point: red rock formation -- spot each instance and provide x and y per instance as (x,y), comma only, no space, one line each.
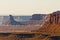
(55,17)
(53,23)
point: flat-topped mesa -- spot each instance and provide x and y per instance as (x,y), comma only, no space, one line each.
(55,17)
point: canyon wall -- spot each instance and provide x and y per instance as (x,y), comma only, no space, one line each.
(54,17)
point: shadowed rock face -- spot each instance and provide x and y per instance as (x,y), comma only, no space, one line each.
(25,35)
(4,34)
(55,38)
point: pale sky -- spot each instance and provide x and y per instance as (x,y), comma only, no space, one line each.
(28,7)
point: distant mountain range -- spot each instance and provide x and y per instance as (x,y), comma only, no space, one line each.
(27,18)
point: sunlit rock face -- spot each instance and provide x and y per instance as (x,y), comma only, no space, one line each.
(53,23)
(55,17)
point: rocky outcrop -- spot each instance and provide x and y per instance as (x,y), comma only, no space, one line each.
(53,24)
(55,17)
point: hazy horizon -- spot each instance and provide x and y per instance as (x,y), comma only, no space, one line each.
(28,7)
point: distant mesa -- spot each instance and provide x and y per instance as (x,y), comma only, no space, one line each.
(31,21)
(37,16)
